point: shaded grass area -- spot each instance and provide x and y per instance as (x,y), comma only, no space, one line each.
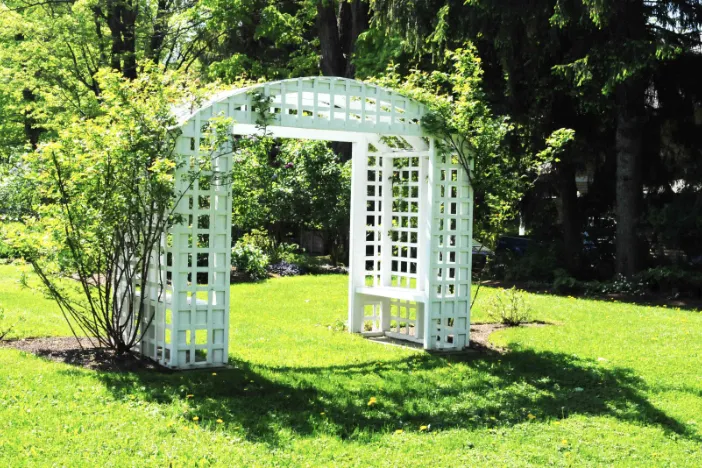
(611,384)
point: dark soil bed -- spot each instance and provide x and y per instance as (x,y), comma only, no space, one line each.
(84,353)
(81,353)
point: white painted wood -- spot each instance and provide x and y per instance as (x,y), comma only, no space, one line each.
(393,293)
(301,133)
(357,234)
(411,221)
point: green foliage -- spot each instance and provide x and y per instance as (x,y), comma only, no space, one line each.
(375,51)
(260,239)
(465,126)
(670,279)
(676,222)
(316,186)
(258,39)
(537,263)
(8,232)
(556,143)
(104,195)
(563,283)
(666,280)
(274,250)
(247,257)
(509,307)
(293,183)
(288,252)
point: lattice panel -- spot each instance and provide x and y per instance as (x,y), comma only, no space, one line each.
(328,103)
(191,320)
(404,233)
(158,306)
(374,220)
(449,294)
(405,318)
(372,316)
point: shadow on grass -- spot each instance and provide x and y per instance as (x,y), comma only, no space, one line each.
(260,403)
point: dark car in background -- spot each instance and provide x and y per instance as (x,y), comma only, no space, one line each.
(481,254)
(517,245)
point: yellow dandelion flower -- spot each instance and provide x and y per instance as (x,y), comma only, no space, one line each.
(219,421)
(531,416)
(564,442)
(214,373)
(399,431)
(195,418)
(372,401)
(423,428)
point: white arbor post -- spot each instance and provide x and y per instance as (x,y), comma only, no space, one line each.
(449,266)
(190,328)
(358,233)
(416,252)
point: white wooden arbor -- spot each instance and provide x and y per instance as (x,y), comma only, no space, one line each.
(411,221)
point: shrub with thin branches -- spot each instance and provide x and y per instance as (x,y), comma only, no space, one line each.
(508,306)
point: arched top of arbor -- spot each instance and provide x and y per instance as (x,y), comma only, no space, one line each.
(325,104)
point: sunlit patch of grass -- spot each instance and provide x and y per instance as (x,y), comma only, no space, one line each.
(610,384)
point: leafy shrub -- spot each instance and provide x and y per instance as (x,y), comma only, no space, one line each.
(288,253)
(669,279)
(250,259)
(260,239)
(8,250)
(564,283)
(276,251)
(508,306)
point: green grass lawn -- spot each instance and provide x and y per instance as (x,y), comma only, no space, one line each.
(612,384)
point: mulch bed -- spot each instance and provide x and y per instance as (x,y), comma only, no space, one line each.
(82,353)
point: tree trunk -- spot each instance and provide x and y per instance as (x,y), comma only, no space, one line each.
(337,41)
(629,134)
(121,20)
(32,132)
(568,193)
(159,33)
(332,62)
(338,33)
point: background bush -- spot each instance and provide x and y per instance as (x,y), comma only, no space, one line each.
(250,259)
(8,249)
(508,306)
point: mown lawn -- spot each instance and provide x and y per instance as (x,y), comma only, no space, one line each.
(611,384)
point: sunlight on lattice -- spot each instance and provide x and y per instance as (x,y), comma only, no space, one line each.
(411,225)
